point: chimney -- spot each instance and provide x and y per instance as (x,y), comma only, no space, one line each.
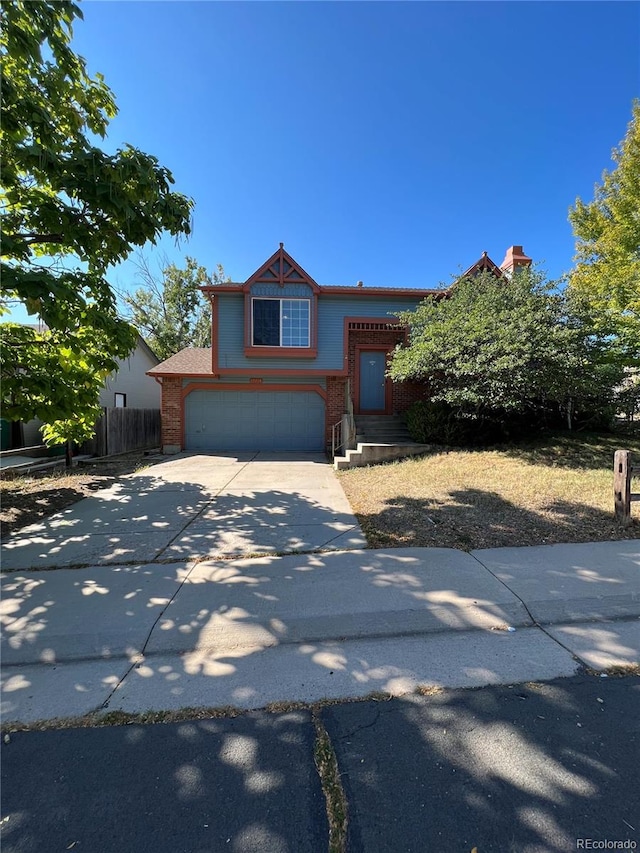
(360,284)
(514,258)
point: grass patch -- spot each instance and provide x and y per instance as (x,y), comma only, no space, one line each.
(428,690)
(100,719)
(558,488)
(622,670)
(336,801)
(96,719)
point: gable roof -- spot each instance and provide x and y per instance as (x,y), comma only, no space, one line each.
(147,349)
(483,264)
(141,344)
(281,269)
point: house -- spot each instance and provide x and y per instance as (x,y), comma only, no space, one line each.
(288,358)
(128,386)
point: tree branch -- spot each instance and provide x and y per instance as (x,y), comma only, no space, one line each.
(43,238)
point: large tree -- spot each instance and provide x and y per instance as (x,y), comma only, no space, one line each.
(502,347)
(607,230)
(170,310)
(70,211)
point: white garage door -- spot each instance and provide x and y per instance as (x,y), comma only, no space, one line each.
(254,420)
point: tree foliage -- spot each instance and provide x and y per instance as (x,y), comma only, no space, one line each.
(172,312)
(607,232)
(502,348)
(70,210)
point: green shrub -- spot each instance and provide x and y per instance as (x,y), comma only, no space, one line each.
(437,422)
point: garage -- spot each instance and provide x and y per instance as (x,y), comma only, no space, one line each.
(254,420)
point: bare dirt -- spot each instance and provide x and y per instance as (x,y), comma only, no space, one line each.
(26,500)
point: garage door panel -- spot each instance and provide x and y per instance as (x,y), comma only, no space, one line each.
(258,420)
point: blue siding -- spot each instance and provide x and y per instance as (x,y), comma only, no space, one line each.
(287,292)
(331,313)
(231,330)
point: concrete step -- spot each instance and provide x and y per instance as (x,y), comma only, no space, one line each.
(383,432)
(380,419)
(382,429)
(371,453)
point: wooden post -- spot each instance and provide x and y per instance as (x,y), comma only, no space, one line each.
(622,485)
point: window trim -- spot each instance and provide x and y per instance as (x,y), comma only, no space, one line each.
(281,299)
(117,394)
(277,351)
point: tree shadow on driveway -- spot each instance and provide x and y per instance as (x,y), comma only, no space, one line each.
(189,512)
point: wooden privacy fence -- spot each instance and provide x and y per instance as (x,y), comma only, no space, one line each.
(124,430)
(623,472)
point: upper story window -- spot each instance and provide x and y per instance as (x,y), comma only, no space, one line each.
(280,311)
(280,322)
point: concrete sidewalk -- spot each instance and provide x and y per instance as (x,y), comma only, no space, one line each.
(248,632)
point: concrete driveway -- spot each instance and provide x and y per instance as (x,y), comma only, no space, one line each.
(193,506)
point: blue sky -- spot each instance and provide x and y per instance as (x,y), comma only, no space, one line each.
(387,142)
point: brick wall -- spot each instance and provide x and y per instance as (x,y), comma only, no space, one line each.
(335,403)
(172,411)
(406,393)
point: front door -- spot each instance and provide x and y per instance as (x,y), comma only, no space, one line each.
(372,380)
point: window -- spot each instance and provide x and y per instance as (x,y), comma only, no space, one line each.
(120,401)
(281,322)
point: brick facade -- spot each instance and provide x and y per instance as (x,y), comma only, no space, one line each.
(335,406)
(406,393)
(403,393)
(172,411)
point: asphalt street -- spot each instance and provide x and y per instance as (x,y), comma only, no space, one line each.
(236,784)
(530,768)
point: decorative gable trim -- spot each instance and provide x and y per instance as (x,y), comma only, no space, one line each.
(484,264)
(281,269)
(281,278)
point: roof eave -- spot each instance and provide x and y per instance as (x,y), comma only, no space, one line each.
(186,374)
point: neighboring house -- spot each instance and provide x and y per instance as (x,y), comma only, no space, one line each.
(129,386)
(286,355)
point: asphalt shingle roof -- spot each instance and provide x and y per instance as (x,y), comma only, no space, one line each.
(193,360)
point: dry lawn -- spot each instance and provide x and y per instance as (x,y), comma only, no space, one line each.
(556,489)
